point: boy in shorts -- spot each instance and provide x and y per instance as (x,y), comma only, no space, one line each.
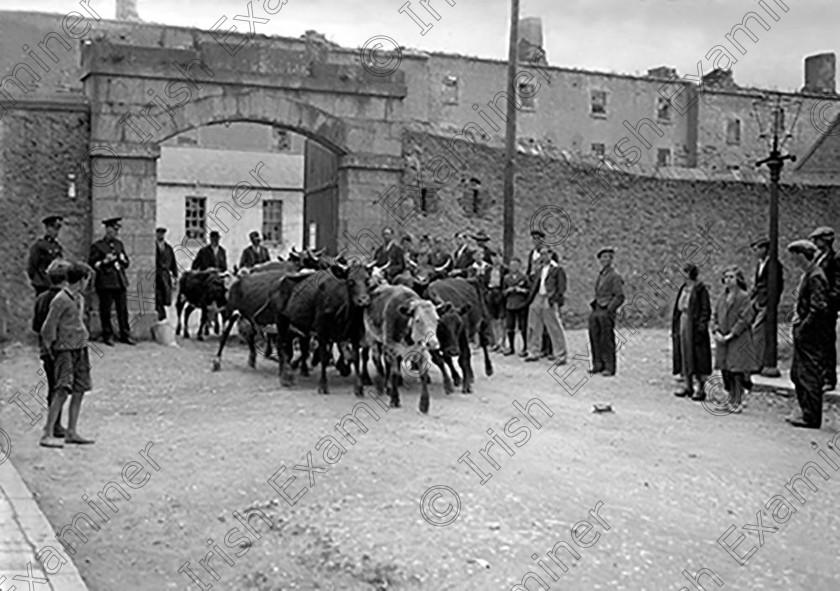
(65,340)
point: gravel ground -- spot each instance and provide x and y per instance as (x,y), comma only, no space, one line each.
(672,478)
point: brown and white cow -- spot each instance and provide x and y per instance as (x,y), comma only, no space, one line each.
(403,326)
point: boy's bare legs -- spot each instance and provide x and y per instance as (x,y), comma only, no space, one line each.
(72,435)
(47,439)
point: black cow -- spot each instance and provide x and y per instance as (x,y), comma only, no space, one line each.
(205,290)
(467,297)
(328,304)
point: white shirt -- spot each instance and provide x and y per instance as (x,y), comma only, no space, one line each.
(761,264)
(543,275)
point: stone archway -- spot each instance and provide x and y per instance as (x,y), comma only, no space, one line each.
(141,96)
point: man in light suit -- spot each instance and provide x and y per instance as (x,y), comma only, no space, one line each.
(547,298)
(609,295)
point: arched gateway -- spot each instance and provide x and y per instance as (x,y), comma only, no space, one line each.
(140,96)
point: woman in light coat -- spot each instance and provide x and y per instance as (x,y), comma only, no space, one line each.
(734,351)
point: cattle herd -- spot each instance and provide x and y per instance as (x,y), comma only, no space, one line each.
(313,303)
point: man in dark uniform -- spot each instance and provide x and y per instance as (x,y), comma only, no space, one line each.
(389,257)
(760,296)
(108,258)
(823,237)
(211,256)
(462,258)
(609,295)
(811,314)
(166,271)
(255,253)
(43,252)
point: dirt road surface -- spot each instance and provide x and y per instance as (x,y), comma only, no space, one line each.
(671,477)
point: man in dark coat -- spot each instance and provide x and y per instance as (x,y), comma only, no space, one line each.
(609,295)
(43,252)
(823,237)
(166,271)
(212,256)
(255,253)
(692,349)
(389,257)
(811,314)
(440,259)
(462,258)
(537,237)
(760,296)
(108,258)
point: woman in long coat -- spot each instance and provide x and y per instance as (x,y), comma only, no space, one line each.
(692,351)
(734,351)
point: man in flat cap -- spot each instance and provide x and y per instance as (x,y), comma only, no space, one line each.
(43,252)
(212,256)
(609,295)
(255,253)
(823,237)
(760,296)
(811,313)
(482,244)
(108,258)
(166,271)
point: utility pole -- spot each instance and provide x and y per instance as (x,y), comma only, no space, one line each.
(774,162)
(510,133)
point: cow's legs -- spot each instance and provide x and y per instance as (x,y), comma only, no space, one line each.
(439,359)
(217,362)
(392,369)
(365,355)
(179,308)
(484,340)
(304,357)
(456,377)
(424,391)
(286,377)
(252,345)
(358,382)
(202,325)
(323,388)
(187,313)
(465,362)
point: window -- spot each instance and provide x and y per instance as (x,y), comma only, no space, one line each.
(663,157)
(272,226)
(195,212)
(526,93)
(450,90)
(281,140)
(733,132)
(185,140)
(598,103)
(427,200)
(598,150)
(663,109)
(472,200)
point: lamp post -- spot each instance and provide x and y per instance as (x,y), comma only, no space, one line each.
(510,133)
(775,162)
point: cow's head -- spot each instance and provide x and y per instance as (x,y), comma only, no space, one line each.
(451,326)
(217,288)
(423,321)
(357,279)
(423,275)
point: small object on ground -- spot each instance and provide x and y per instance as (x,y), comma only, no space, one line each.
(494,526)
(479,562)
(602,408)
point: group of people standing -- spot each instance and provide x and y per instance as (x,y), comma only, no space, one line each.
(738,327)
(528,300)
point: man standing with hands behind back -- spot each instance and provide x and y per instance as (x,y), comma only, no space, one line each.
(108,258)
(609,295)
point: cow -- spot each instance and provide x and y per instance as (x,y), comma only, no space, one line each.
(250,298)
(467,297)
(327,303)
(205,290)
(403,327)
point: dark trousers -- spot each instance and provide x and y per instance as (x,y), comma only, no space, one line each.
(735,383)
(49,368)
(807,371)
(118,298)
(602,339)
(517,319)
(40,290)
(831,350)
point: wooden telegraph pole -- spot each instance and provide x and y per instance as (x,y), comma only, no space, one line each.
(510,133)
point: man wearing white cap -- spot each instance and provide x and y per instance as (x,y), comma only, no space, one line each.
(811,313)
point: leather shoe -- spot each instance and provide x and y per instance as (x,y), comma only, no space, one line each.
(608,374)
(594,371)
(796,422)
(532,358)
(109,341)
(699,397)
(128,341)
(59,432)
(683,393)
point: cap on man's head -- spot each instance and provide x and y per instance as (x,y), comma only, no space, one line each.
(215,234)
(802,246)
(160,230)
(822,232)
(605,249)
(481,236)
(112,222)
(254,234)
(760,241)
(537,234)
(52,219)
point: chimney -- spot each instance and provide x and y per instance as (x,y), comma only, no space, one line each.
(531,40)
(819,74)
(127,10)
(719,79)
(662,72)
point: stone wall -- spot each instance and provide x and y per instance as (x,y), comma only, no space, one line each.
(41,145)
(654,223)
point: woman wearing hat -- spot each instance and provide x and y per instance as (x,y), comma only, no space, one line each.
(734,353)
